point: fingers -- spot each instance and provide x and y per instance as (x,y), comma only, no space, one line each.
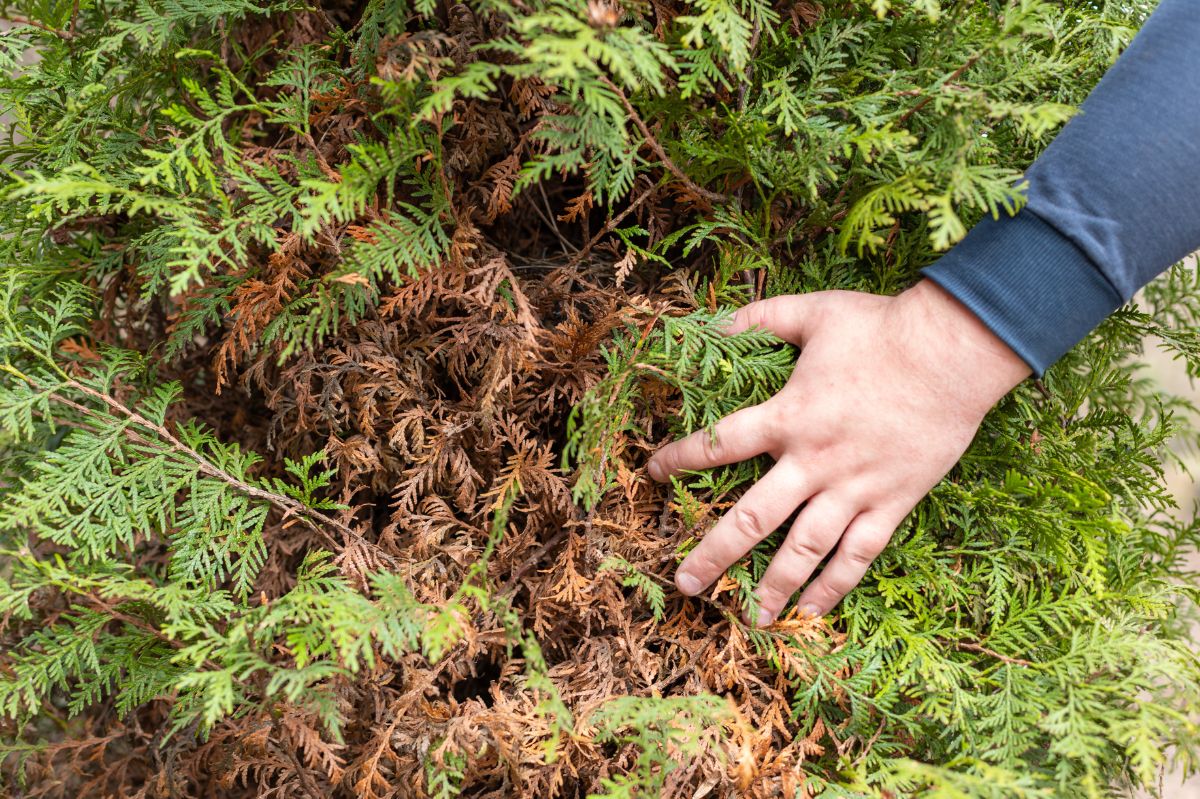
(740,435)
(790,317)
(865,538)
(817,529)
(763,507)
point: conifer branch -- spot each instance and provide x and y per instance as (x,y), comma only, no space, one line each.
(968,646)
(96,603)
(953,76)
(650,138)
(65,35)
(608,228)
(291,507)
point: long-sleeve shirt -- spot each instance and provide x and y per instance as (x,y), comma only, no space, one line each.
(1112,202)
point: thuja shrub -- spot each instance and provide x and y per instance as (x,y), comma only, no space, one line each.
(334,338)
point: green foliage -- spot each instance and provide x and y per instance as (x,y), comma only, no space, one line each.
(1022,636)
(1015,601)
(651,591)
(1008,618)
(662,730)
(715,374)
(106,479)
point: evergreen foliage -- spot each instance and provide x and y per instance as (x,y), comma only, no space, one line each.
(333,338)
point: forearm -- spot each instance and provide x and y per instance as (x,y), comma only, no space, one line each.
(1112,202)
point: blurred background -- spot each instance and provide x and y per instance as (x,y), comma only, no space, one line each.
(1184,486)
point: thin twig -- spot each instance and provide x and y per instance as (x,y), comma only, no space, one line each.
(291,507)
(33,23)
(100,605)
(692,186)
(533,560)
(578,257)
(687,668)
(744,85)
(924,101)
(553,224)
(305,779)
(967,646)
(870,744)
(324,166)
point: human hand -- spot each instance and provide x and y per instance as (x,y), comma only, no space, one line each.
(886,396)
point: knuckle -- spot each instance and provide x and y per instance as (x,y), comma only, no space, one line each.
(805,547)
(663,466)
(773,596)
(824,451)
(711,445)
(747,522)
(755,314)
(665,457)
(826,591)
(705,565)
(744,319)
(833,592)
(698,563)
(862,550)
(775,422)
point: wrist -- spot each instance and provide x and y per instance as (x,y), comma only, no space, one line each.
(965,358)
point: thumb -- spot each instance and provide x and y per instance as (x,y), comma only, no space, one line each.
(791,317)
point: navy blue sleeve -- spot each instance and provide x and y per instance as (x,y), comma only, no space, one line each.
(1112,202)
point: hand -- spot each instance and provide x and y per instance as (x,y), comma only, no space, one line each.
(885,398)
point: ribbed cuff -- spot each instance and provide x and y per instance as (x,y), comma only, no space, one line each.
(1029,284)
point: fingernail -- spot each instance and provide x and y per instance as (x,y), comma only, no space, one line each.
(688,583)
(765,617)
(809,610)
(656,471)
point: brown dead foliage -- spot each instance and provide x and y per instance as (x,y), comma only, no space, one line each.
(459,383)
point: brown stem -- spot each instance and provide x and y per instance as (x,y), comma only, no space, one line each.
(329,171)
(967,646)
(291,507)
(578,257)
(100,605)
(305,778)
(533,560)
(692,186)
(744,84)
(955,75)
(33,23)
(870,744)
